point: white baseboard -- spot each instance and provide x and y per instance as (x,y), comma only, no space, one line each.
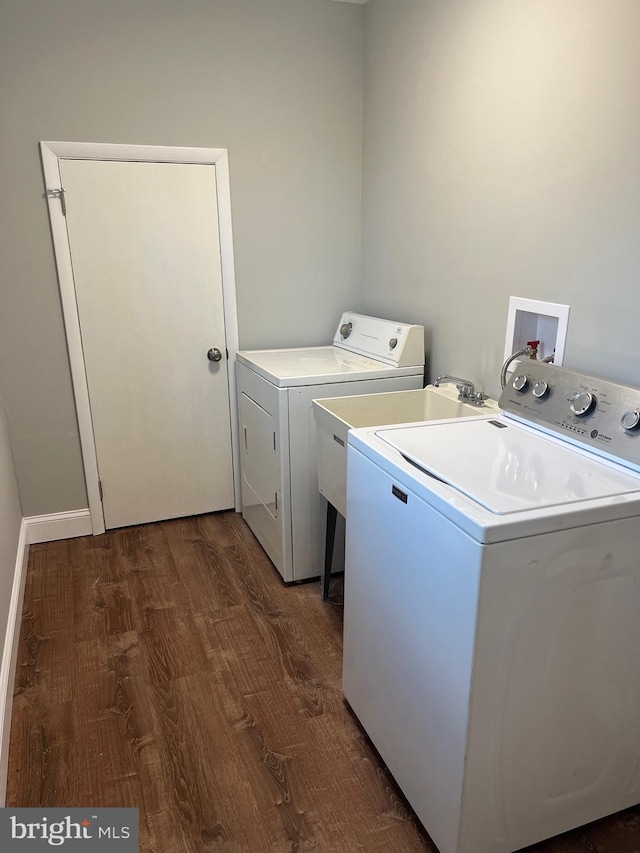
(59,525)
(10,655)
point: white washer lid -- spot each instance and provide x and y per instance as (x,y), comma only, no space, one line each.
(317,365)
(508,468)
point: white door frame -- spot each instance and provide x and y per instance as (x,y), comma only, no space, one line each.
(51,153)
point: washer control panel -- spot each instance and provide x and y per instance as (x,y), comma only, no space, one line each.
(600,415)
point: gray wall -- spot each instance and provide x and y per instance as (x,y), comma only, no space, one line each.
(10,520)
(502,157)
(501,146)
(277,82)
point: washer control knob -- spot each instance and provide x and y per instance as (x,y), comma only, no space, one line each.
(582,403)
(393,343)
(345,329)
(630,420)
(520,382)
(541,390)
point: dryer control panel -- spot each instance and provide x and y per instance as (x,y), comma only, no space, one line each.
(397,344)
(585,410)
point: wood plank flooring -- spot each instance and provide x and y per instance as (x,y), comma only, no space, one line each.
(167,667)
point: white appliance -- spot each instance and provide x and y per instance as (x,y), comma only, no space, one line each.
(492,610)
(280,498)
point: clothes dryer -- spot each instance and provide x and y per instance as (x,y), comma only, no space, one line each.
(280,498)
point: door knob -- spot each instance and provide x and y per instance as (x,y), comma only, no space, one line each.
(214,354)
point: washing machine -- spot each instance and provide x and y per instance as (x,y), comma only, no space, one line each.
(280,498)
(492,610)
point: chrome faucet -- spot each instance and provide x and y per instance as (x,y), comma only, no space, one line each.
(466,389)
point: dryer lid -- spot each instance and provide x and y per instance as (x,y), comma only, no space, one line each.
(507,468)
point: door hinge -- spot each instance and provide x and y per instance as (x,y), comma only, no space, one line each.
(274,441)
(276,501)
(58,193)
(100,489)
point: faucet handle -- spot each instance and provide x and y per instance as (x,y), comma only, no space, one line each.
(478,398)
(465,391)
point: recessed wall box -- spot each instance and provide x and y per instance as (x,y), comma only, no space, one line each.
(533,320)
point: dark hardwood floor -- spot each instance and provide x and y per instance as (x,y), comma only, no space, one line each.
(167,667)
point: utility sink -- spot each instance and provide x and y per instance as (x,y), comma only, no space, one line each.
(335,417)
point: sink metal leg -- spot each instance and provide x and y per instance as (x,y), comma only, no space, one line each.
(330,538)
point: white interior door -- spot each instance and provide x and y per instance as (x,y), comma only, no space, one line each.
(144,242)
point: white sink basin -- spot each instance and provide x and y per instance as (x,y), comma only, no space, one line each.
(336,416)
